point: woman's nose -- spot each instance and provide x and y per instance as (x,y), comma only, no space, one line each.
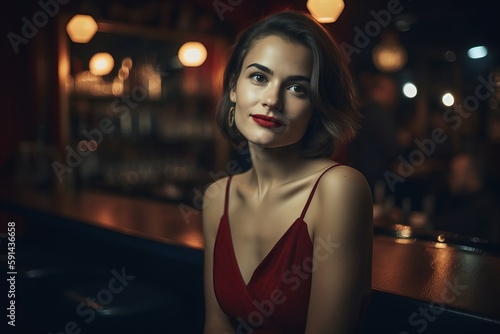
(272,98)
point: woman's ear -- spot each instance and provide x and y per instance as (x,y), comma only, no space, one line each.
(232,95)
(232,90)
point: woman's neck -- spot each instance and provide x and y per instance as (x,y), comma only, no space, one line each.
(272,167)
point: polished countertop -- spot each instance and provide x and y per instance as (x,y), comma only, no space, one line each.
(434,272)
(437,273)
(175,224)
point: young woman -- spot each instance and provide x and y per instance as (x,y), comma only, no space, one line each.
(288,242)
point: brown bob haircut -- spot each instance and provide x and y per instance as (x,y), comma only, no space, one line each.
(332,92)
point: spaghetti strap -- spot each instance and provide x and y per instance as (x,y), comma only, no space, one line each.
(303,214)
(226,200)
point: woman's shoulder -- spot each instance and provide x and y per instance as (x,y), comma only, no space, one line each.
(344,190)
(214,198)
(213,204)
(344,177)
(214,194)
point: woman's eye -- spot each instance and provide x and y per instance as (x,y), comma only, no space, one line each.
(298,89)
(258,77)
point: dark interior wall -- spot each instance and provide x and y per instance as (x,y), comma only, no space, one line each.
(16,121)
(29,77)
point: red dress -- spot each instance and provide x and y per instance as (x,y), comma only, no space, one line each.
(276,299)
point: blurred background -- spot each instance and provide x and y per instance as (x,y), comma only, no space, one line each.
(107,119)
(117,110)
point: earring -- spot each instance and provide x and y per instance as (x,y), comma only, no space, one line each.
(231,117)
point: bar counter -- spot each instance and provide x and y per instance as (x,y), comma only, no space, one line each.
(454,284)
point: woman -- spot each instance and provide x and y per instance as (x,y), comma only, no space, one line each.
(286,253)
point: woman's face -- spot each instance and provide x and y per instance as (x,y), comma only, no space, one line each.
(271,96)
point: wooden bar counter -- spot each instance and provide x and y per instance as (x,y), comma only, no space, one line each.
(417,285)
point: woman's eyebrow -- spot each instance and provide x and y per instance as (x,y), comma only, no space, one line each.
(270,72)
(262,68)
(298,78)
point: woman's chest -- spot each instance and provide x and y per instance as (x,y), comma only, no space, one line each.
(260,234)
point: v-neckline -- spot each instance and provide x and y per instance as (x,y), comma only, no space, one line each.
(280,240)
(265,258)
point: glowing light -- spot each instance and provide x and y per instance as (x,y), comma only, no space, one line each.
(448,99)
(123,73)
(81,28)
(402,231)
(192,54)
(410,90)
(477,52)
(117,87)
(127,63)
(325,11)
(101,63)
(389,55)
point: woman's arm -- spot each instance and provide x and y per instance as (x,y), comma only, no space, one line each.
(216,321)
(342,238)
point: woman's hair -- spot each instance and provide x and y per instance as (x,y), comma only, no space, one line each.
(332,92)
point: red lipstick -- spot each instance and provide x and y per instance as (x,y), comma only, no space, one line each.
(267,121)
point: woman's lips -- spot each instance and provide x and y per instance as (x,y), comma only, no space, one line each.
(267,121)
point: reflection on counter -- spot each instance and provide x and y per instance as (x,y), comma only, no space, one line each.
(419,227)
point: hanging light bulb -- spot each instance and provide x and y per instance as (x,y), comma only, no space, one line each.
(101,63)
(81,28)
(389,55)
(192,54)
(325,11)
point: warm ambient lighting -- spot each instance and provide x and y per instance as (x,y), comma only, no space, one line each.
(81,28)
(101,63)
(477,52)
(192,54)
(325,11)
(389,55)
(127,63)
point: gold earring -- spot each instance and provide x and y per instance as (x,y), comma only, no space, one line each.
(231,117)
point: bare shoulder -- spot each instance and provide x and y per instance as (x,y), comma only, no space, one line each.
(344,195)
(344,180)
(213,205)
